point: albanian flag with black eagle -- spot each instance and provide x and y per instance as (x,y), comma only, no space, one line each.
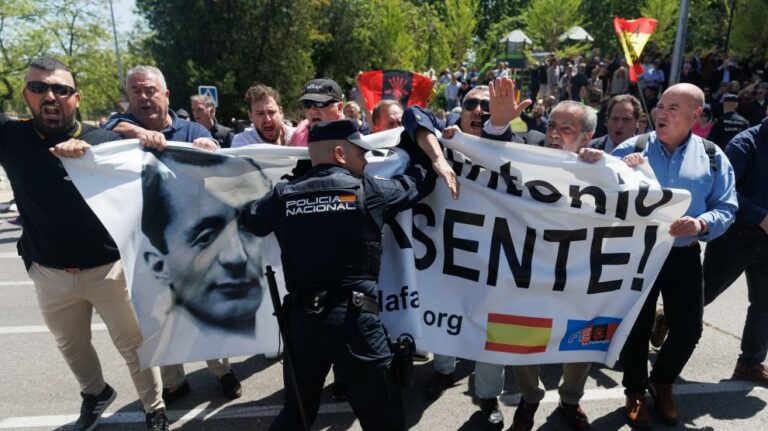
(408,88)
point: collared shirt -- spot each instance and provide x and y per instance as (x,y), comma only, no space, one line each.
(179,130)
(713,194)
(748,151)
(251,136)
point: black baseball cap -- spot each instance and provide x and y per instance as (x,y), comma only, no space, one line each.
(322,90)
(345,130)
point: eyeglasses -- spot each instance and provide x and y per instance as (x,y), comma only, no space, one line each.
(39,87)
(471,103)
(309,104)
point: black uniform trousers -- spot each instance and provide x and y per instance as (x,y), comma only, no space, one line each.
(357,344)
(742,249)
(680,284)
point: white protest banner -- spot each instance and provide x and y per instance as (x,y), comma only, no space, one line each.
(544,258)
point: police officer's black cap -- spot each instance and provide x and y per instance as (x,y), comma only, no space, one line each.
(322,90)
(344,130)
(730,97)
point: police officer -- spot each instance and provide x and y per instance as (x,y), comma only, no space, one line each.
(328,224)
(729,124)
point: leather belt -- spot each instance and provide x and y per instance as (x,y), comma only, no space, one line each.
(316,301)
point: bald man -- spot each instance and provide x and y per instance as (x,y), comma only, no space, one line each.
(680,160)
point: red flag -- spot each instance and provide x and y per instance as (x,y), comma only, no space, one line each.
(406,87)
(633,35)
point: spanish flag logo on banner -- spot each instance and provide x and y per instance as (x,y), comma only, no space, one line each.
(633,35)
(517,334)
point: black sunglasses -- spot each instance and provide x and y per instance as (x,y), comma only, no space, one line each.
(309,104)
(39,87)
(471,103)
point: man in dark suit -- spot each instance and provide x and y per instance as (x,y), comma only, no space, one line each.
(623,113)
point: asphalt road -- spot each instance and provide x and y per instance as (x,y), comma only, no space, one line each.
(38,392)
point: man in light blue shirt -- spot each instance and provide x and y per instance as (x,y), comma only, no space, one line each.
(680,160)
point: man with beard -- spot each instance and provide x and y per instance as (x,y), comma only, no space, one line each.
(69,255)
(682,160)
(487,112)
(151,121)
(623,113)
(266,114)
(571,125)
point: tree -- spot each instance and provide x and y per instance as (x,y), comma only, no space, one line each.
(599,16)
(665,12)
(460,18)
(231,44)
(749,27)
(20,41)
(546,20)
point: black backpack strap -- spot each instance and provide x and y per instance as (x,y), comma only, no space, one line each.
(641,142)
(711,149)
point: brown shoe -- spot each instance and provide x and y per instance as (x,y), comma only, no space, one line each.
(637,412)
(757,373)
(524,414)
(575,416)
(665,403)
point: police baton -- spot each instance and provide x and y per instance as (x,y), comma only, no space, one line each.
(282,324)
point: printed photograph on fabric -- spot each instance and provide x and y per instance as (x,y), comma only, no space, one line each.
(194,247)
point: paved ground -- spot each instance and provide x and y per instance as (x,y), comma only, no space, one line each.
(37,391)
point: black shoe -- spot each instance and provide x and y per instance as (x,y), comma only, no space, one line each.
(523,419)
(231,386)
(338,391)
(171,396)
(493,419)
(437,385)
(93,407)
(575,416)
(157,421)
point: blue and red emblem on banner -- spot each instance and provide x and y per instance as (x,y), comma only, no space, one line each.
(595,334)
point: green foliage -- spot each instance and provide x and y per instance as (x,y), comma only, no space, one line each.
(665,12)
(546,20)
(749,27)
(231,45)
(460,18)
(599,16)
(73,31)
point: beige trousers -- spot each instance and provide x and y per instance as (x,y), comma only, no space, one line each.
(173,375)
(571,389)
(67,300)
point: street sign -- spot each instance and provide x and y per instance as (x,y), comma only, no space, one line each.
(210,91)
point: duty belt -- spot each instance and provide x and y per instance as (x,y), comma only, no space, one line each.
(316,301)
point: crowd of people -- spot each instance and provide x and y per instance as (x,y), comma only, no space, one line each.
(582,107)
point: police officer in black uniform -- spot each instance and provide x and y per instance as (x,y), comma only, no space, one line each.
(729,124)
(328,224)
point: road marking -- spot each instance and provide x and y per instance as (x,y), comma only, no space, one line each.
(227,411)
(36,329)
(9,255)
(15,283)
(178,416)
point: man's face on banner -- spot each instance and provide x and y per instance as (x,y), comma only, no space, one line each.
(214,268)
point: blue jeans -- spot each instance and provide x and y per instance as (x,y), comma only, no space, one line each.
(742,249)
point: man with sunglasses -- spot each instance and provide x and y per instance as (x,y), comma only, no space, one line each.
(487,112)
(71,259)
(321,100)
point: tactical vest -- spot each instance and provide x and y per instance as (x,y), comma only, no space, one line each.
(326,234)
